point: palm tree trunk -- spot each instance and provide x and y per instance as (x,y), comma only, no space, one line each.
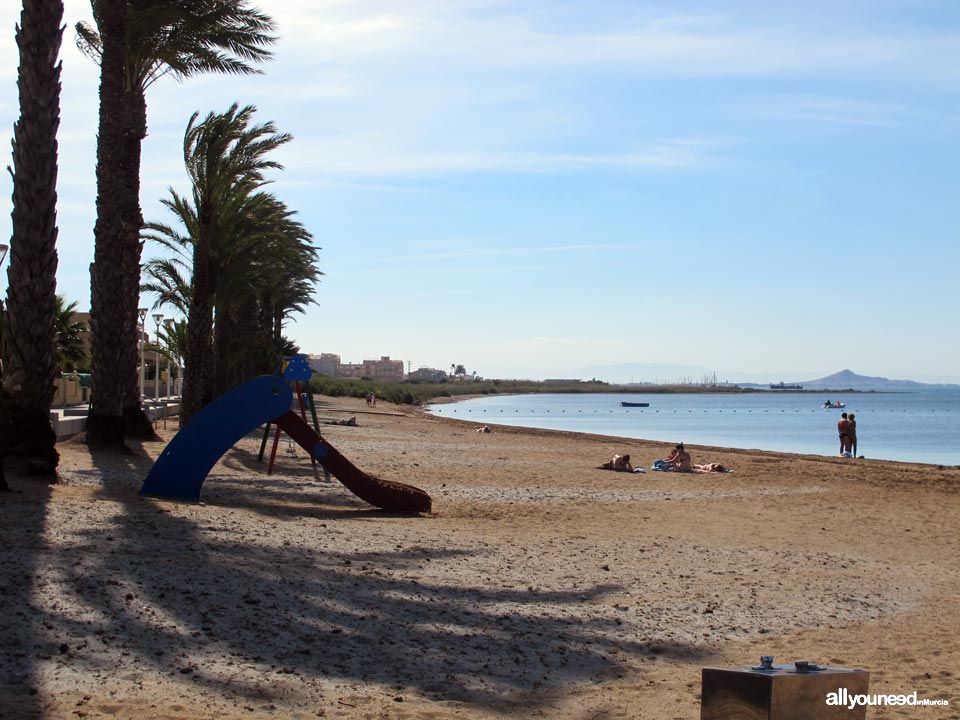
(198,378)
(136,422)
(226,335)
(29,356)
(116,264)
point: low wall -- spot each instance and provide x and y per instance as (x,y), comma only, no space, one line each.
(67,422)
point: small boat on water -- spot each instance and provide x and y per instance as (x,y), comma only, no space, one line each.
(624,403)
(833,406)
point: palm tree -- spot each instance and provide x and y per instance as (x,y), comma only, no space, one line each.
(252,264)
(29,360)
(137,43)
(113,338)
(263,272)
(225,159)
(174,341)
(71,351)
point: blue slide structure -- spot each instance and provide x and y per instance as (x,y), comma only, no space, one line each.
(184,464)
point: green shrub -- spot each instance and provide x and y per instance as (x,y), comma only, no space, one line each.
(417,393)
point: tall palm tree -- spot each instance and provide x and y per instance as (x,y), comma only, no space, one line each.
(226,159)
(112,341)
(252,264)
(29,360)
(181,38)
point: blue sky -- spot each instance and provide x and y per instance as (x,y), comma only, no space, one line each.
(765,189)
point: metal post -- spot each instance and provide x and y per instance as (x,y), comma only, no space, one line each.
(157,318)
(142,312)
(169,323)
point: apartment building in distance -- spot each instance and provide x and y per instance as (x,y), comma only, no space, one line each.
(426,374)
(382,369)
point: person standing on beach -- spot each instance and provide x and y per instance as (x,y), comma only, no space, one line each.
(843,429)
(852,434)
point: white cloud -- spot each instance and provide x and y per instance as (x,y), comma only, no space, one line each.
(522,36)
(829,110)
(481,251)
(381,154)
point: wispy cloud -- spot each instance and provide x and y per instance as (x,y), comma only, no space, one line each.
(376,154)
(833,111)
(528,35)
(474,251)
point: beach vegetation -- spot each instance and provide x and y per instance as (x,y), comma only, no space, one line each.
(417,393)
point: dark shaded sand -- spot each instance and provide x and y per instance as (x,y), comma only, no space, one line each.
(540,587)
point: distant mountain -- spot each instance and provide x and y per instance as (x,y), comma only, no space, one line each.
(849,380)
(661,373)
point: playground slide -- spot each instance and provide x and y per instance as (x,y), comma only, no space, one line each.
(189,457)
(386,494)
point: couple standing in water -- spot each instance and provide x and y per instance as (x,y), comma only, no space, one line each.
(847,429)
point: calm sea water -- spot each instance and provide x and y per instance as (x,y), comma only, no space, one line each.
(911,426)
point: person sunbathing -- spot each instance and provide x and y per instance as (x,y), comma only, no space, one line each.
(678,459)
(682,462)
(621,463)
(710,467)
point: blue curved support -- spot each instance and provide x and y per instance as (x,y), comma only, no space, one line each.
(182,467)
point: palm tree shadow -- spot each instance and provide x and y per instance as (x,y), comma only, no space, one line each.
(119,471)
(180,587)
(23,518)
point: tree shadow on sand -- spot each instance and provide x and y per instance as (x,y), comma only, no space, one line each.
(24,524)
(185,592)
(23,513)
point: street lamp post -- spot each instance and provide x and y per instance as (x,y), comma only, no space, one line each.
(169,323)
(142,312)
(157,318)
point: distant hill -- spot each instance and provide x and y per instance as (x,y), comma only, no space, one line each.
(626,373)
(847,379)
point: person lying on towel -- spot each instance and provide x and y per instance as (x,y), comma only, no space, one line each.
(619,462)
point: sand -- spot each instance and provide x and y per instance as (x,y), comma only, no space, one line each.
(540,586)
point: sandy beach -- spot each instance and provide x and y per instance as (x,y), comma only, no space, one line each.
(540,586)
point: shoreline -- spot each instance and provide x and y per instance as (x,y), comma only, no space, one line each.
(539,585)
(665,446)
(560,416)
